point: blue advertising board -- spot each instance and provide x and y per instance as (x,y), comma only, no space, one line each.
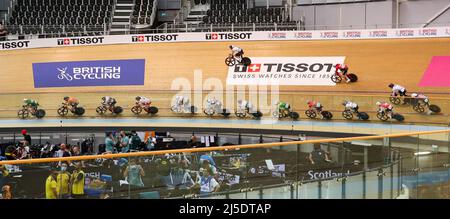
(89,73)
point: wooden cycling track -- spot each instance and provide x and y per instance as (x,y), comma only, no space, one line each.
(376,62)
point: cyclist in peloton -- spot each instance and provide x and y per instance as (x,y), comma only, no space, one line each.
(31,105)
(71,101)
(397,90)
(237,52)
(353,107)
(282,107)
(109,102)
(342,69)
(315,106)
(386,108)
(143,102)
(421,98)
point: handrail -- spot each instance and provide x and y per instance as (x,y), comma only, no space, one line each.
(220,148)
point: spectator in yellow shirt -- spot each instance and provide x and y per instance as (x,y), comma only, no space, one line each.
(50,185)
(77,181)
(63,182)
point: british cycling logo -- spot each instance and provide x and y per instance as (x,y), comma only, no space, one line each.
(228,36)
(352,34)
(63,74)
(405,32)
(90,73)
(80,41)
(329,34)
(14,45)
(277,35)
(428,32)
(303,35)
(378,33)
(155,38)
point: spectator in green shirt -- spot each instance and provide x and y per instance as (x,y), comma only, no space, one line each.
(124,142)
(109,143)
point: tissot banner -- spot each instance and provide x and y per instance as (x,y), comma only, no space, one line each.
(285,71)
(89,73)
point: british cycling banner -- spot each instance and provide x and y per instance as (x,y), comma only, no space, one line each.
(285,71)
(89,73)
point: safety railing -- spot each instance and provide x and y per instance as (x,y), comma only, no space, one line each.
(379,168)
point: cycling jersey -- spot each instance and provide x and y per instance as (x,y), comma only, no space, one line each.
(236,49)
(72,100)
(386,106)
(351,105)
(145,101)
(314,104)
(30,102)
(397,88)
(110,101)
(283,106)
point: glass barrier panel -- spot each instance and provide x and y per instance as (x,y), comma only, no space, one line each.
(354,187)
(308,190)
(372,184)
(255,194)
(331,189)
(282,192)
(387,183)
(396,180)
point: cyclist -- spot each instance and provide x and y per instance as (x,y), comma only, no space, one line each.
(237,52)
(31,105)
(353,107)
(421,98)
(397,90)
(109,102)
(143,102)
(386,108)
(342,69)
(71,101)
(316,106)
(283,107)
(181,103)
(244,105)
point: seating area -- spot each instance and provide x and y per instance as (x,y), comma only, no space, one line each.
(142,13)
(62,17)
(237,11)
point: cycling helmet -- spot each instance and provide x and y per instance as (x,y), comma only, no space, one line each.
(345,102)
(138,98)
(414,95)
(24,100)
(378,103)
(231,46)
(391,85)
(66,98)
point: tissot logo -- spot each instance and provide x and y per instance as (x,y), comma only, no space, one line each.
(284,67)
(428,32)
(405,32)
(155,38)
(14,45)
(228,36)
(277,35)
(80,41)
(330,34)
(378,33)
(352,34)
(303,35)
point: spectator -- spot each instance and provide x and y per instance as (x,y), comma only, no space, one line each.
(206,165)
(76,151)
(50,185)
(77,181)
(193,142)
(180,177)
(207,182)
(6,192)
(26,138)
(23,152)
(63,182)
(3,174)
(150,143)
(135,142)
(207,157)
(124,142)
(63,152)
(133,173)
(3,32)
(318,156)
(109,143)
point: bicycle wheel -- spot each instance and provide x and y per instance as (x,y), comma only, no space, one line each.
(175,109)
(311,114)
(101,110)
(347,114)
(363,116)
(246,61)
(63,111)
(118,110)
(336,78)
(136,110)
(398,117)
(382,116)
(435,108)
(153,110)
(240,114)
(352,77)
(40,113)
(294,115)
(419,108)
(327,115)
(79,111)
(395,100)
(208,111)
(230,61)
(23,113)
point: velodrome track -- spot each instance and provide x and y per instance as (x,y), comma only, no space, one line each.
(376,62)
